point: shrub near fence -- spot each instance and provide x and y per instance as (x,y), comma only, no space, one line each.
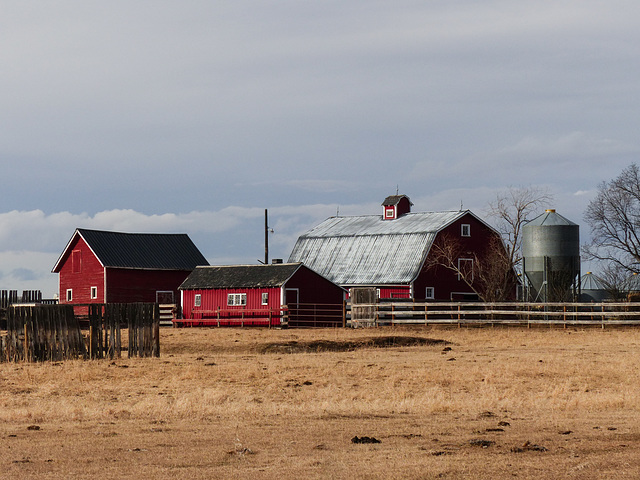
(53,332)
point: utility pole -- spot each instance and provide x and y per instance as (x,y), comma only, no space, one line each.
(266,238)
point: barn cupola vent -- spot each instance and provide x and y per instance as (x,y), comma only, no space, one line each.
(394,206)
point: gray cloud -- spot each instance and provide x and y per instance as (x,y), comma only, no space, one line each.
(114,114)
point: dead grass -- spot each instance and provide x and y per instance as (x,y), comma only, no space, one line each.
(231,403)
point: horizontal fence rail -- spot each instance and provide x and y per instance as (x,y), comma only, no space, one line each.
(476,313)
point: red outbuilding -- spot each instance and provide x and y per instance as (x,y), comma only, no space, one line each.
(276,294)
(113,267)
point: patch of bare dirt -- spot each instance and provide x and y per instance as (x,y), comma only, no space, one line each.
(316,346)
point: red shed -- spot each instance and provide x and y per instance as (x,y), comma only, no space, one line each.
(260,295)
(113,267)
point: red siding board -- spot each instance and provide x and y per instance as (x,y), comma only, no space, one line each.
(89,273)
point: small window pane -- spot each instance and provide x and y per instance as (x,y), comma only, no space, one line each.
(197,300)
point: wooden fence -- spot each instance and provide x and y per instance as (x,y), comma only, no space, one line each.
(293,315)
(53,332)
(476,313)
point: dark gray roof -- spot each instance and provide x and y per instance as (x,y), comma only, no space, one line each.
(151,251)
(394,200)
(240,276)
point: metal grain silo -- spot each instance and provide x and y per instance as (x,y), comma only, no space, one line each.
(593,289)
(551,257)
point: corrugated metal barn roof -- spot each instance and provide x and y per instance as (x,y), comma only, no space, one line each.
(240,276)
(154,251)
(367,250)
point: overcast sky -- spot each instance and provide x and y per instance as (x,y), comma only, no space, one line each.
(195,116)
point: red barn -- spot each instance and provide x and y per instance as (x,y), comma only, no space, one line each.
(112,267)
(394,251)
(260,295)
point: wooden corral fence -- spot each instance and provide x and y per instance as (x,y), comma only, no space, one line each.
(142,321)
(314,315)
(507,313)
(53,332)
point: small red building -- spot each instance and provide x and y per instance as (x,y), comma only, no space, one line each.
(113,267)
(260,295)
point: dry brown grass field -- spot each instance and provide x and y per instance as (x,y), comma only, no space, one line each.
(491,403)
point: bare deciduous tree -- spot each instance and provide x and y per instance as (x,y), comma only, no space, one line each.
(488,273)
(511,210)
(614,218)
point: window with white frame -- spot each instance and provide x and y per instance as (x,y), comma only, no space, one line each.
(69,295)
(265,298)
(430,293)
(234,299)
(465,230)
(94,293)
(197,300)
(465,268)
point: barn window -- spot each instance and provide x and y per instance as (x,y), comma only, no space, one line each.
(69,295)
(94,293)
(465,230)
(265,298)
(430,293)
(236,299)
(197,300)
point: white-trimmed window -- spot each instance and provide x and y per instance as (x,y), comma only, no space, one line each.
(465,267)
(430,293)
(265,298)
(94,293)
(234,299)
(69,294)
(465,230)
(197,300)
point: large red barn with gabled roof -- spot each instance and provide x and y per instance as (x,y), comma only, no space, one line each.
(393,252)
(112,267)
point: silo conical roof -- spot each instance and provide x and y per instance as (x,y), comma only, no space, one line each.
(551,218)
(589,281)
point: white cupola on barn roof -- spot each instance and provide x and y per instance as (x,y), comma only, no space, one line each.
(394,206)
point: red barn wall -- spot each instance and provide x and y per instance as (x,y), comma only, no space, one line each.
(395,292)
(314,288)
(80,280)
(212,299)
(444,281)
(131,285)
